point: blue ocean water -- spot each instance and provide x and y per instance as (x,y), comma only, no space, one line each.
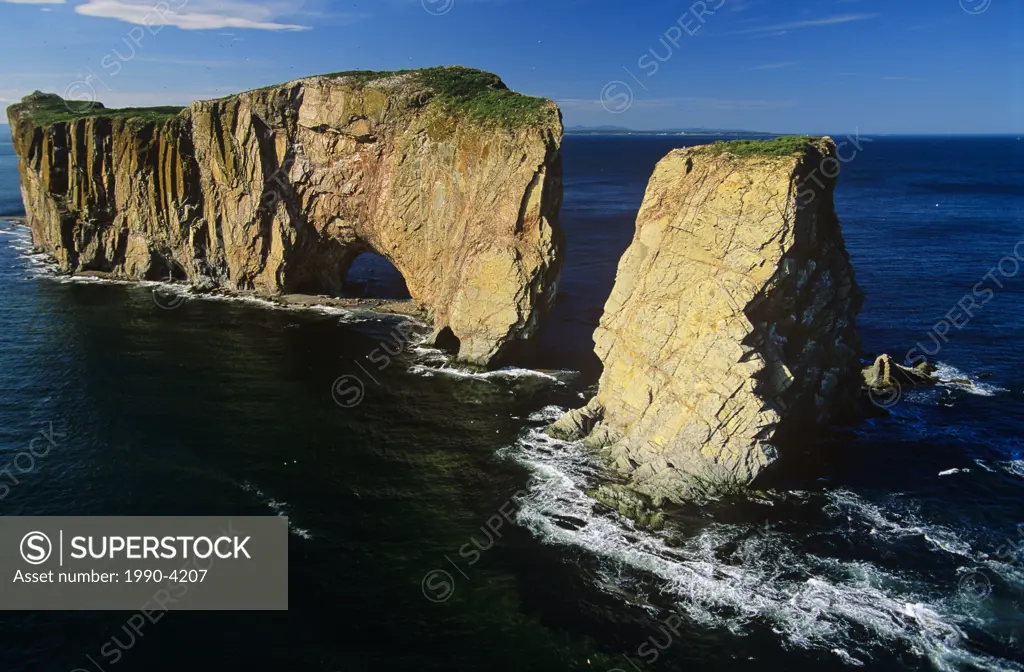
(893,543)
(10,194)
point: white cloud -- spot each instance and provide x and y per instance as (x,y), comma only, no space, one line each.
(196,14)
(808,23)
(743,5)
(775,66)
(34,2)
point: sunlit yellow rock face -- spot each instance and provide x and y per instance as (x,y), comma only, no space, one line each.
(279,189)
(732,316)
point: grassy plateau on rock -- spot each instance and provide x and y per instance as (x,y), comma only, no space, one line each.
(786,145)
(454,90)
(49,108)
(476,94)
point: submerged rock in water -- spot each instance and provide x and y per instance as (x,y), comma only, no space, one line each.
(629,504)
(445,172)
(733,314)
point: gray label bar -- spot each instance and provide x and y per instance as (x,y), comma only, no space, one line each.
(150,563)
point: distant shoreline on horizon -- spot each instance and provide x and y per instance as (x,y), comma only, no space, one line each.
(581,130)
(620,130)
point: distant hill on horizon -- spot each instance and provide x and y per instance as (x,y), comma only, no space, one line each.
(579,129)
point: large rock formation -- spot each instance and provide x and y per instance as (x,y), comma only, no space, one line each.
(445,172)
(732,316)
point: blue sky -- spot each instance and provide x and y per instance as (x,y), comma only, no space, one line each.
(838,66)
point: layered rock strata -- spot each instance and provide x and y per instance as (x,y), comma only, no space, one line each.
(445,172)
(732,317)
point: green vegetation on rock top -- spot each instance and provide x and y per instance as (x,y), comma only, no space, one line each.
(49,108)
(786,145)
(479,95)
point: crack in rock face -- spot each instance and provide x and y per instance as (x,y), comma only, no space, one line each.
(278,190)
(732,318)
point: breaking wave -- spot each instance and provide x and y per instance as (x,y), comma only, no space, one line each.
(282,509)
(951,377)
(742,577)
(510,373)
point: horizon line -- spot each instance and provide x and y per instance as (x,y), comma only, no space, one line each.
(577,130)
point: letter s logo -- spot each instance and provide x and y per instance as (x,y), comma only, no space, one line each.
(36,548)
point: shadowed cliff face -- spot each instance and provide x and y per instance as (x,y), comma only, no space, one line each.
(733,315)
(280,189)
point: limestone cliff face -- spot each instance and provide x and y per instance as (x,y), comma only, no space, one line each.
(446,173)
(732,315)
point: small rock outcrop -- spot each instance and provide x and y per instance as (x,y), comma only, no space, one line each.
(445,172)
(884,374)
(733,315)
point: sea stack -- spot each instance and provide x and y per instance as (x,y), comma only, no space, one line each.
(445,172)
(732,318)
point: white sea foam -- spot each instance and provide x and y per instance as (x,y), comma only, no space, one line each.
(950,472)
(42,265)
(847,607)
(20,240)
(454,371)
(984,466)
(951,377)
(548,414)
(1015,467)
(282,509)
(344,315)
(897,520)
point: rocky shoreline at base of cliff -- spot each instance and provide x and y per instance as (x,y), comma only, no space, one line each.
(182,290)
(445,172)
(732,320)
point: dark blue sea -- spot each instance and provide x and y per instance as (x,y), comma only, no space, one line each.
(893,543)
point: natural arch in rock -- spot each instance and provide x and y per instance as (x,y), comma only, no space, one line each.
(372,276)
(445,172)
(466,211)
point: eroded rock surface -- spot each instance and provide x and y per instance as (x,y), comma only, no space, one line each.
(733,314)
(446,173)
(886,374)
